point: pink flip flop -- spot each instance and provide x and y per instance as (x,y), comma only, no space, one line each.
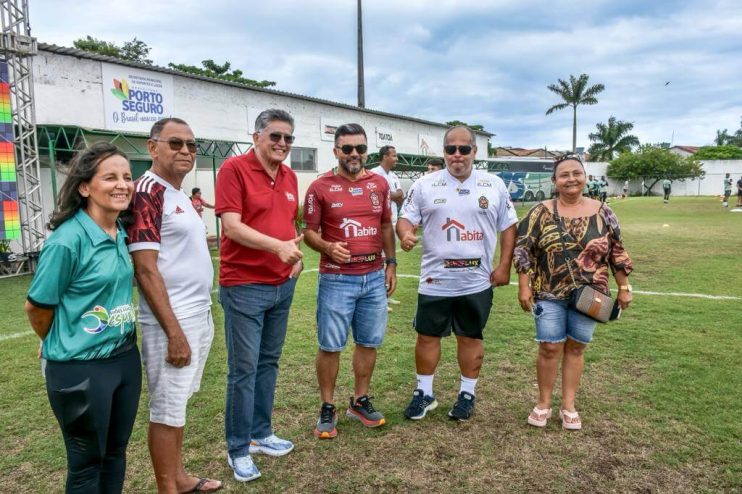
(538,417)
(570,420)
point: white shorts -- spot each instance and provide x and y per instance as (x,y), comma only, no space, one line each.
(171,387)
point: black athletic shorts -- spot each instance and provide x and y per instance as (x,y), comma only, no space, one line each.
(465,314)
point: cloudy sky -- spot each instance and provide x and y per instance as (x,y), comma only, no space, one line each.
(479,61)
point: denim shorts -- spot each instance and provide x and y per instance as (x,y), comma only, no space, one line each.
(555,322)
(346,301)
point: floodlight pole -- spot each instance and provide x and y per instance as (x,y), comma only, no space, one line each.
(361,88)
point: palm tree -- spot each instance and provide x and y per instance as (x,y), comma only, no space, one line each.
(611,139)
(722,137)
(574,93)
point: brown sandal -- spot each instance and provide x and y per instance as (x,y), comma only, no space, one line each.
(201,483)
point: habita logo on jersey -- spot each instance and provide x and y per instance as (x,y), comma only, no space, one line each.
(353,229)
(102,318)
(457,232)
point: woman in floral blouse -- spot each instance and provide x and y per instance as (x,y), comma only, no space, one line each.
(593,239)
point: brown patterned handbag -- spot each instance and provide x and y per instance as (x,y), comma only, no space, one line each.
(585,299)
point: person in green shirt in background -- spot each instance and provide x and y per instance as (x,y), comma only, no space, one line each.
(603,189)
(587,191)
(666,187)
(727,190)
(80,305)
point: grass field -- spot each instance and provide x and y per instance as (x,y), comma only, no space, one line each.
(660,398)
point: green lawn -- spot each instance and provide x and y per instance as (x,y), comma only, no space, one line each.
(659,399)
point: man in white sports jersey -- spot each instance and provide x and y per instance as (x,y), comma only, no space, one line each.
(388,157)
(462,211)
(174,276)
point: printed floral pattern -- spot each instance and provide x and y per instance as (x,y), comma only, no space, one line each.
(593,243)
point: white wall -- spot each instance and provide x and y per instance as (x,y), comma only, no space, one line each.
(69,91)
(711,185)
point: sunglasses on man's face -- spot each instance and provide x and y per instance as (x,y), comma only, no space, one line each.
(276,137)
(348,148)
(463,150)
(176,144)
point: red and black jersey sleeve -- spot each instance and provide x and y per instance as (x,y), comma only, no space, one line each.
(147,208)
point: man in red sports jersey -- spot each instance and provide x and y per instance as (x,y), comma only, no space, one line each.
(348,219)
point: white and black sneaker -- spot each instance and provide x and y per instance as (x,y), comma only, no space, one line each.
(420,405)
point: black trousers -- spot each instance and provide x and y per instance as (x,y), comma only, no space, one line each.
(667,194)
(95,403)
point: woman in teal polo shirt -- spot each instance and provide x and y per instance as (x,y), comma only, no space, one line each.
(80,305)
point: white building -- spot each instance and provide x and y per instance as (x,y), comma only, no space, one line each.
(83,96)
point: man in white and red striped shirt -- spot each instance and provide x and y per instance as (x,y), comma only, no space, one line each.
(174,276)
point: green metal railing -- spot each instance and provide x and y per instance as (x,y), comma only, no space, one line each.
(60,142)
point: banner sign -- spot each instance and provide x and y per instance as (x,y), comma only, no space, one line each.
(134,99)
(384,137)
(327,128)
(10,221)
(429,145)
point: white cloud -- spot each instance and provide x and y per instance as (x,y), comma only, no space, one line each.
(481,61)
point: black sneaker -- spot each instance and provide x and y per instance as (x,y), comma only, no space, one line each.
(463,408)
(362,409)
(420,405)
(328,418)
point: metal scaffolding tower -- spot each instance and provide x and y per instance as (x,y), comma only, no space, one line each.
(18,47)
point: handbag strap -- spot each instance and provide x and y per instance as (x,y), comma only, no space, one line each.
(565,253)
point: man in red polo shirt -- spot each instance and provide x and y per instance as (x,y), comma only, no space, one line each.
(260,260)
(351,208)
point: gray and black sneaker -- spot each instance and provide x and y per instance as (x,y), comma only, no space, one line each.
(463,408)
(362,409)
(328,418)
(420,405)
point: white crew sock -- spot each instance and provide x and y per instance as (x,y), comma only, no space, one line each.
(468,385)
(425,383)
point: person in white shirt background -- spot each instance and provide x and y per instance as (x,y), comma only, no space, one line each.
(388,157)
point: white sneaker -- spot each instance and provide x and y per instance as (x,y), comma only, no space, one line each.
(271,445)
(244,468)
(392,301)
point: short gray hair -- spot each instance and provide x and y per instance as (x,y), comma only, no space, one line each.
(273,115)
(472,135)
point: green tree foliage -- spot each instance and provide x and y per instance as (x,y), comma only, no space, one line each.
(574,93)
(134,50)
(454,123)
(137,51)
(728,152)
(654,163)
(611,140)
(723,137)
(209,68)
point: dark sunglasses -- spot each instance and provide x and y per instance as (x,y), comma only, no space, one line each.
(463,150)
(277,136)
(348,148)
(176,144)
